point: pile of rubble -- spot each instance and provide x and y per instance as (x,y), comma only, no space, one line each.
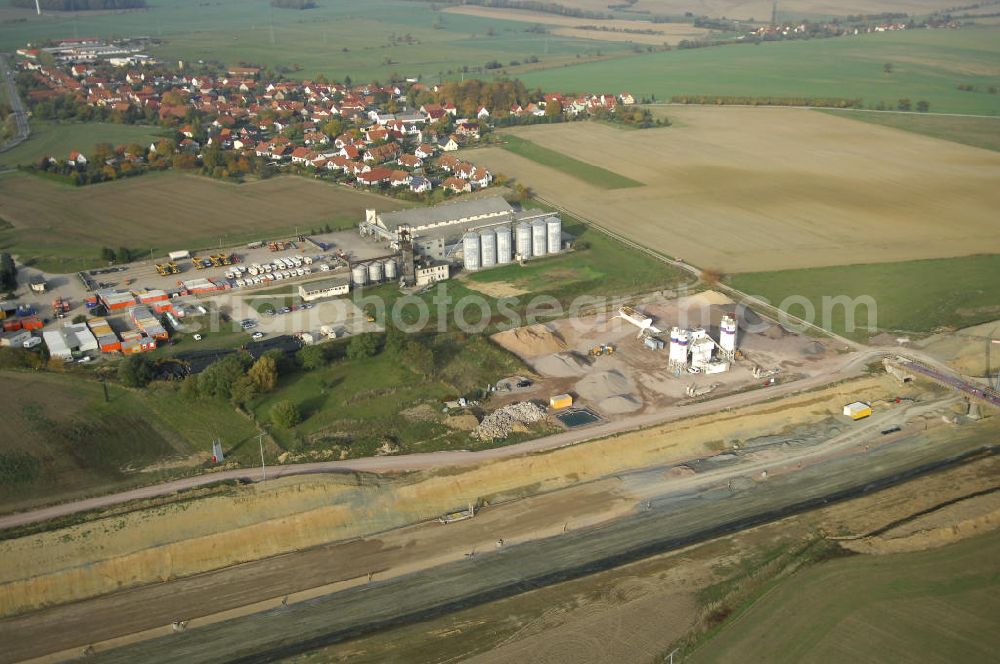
(500,423)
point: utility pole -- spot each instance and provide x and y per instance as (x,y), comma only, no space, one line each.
(263,468)
(38,8)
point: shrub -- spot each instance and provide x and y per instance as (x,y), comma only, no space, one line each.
(285,414)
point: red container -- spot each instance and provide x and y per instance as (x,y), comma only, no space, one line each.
(11,325)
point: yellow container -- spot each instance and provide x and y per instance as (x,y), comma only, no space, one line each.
(561,401)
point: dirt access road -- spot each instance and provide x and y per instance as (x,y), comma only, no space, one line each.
(703,508)
(852,364)
(206,599)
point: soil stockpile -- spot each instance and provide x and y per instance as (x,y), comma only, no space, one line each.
(562,365)
(531,341)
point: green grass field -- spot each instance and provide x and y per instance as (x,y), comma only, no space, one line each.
(83,446)
(977,132)
(938,605)
(357,404)
(365,40)
(55,139)
(604,268)
(916,297)
(928,65)
(595,175)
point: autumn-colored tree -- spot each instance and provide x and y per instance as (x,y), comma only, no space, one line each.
(553,109)
(264,374)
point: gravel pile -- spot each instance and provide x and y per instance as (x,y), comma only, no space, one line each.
(500,423)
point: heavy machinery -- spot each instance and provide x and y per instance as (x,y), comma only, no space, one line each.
(603,349)
(370,313)
(60,307)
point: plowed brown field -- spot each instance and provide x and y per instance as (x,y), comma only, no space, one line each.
(768,189)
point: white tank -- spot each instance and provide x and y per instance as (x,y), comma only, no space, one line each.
(375,272)
(470,251)
(679,340)
(488,246)
(553,230)
(727,334)
(390,269)
(504,248)
(524,240)
(359,275)
(538,241)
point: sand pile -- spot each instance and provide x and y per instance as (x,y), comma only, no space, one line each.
(531,341)
(815,348)
(562,365)
(503,421)
(621,403)
(603,384)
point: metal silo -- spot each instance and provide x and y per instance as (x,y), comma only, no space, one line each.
(504,253)
(375,272)
(359,275)
(538,244)
(470,251)
(390,269)
(488,246)
(524,240)
(553,229)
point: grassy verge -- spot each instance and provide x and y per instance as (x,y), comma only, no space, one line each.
(917,297)
(359,407)
(63,440)
(977,132)
(593,175)
(934,605)
(57,139)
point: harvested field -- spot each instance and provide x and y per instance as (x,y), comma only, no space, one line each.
(165,211)
(609,29)
(815,189)
(761,9)
(938,605)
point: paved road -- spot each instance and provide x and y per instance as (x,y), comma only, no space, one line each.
(14,99)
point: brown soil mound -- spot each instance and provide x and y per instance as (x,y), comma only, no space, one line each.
(531,341)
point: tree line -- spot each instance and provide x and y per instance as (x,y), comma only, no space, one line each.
(732,100)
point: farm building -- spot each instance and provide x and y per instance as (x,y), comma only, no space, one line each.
(316,290)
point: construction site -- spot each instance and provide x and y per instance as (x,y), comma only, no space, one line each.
(664,352)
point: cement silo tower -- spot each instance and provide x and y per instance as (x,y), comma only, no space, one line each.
(538,238)
(523,240)
(504,248)
(553,230)
(488,247)
(470,250)
(727,336)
